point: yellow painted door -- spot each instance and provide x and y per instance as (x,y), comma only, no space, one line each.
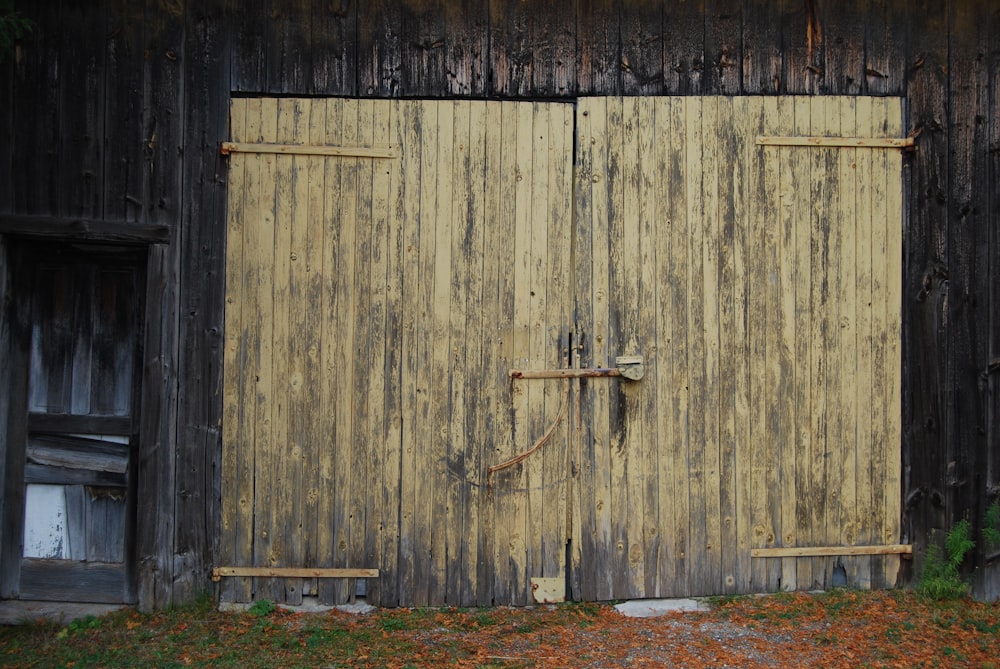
(377,298)
(761,284)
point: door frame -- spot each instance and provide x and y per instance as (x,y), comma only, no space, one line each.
(16,255)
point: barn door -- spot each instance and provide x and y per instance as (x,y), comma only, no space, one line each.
(69,494)
(760,279)
(388,264)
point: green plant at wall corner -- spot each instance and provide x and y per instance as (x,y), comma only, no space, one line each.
(940,578)
(13,26)
(991,526)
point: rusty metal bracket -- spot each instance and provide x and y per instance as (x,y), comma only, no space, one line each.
(628,367)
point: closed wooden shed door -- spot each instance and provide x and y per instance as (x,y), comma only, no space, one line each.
(390,262)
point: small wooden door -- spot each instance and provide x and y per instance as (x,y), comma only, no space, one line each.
(69,490)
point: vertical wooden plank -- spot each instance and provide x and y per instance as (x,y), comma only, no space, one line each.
(309,309)
(844,32)
(587,172)
(598,64)
(658,189)
(867,520)
(601,527)
(928,446)
(388,589)
(699,567)
(302,349)
(502,171)
(203,212)
(770,322)
(642,49)
(711,164)
(249,61)
(679,262)
(789,367)
(123,75)
(363,358)
(241,336)
(541,394)
(967,245)
(885,63)
(288,43)
(526,421)
(684,47)
(802,206)
(81,123)
(723,43)
(275,504)
(621,214)
(746,117)
(877,177)
(422,40)
(834,241)
(37,85)
(729,364)
(8,553)
(327,127)
(437,336)
(802,43)
(651,119)
(820,233)
(532,50)
(757,272)
(893,336)
(762,48)
(626,305)
(262,258)
(494,584)
(379,48)
(470,422)
(556,169)
(333,49)
(414,118)
(466,52)
(345,292)
(849,380)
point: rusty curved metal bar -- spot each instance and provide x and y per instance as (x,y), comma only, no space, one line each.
(545,437)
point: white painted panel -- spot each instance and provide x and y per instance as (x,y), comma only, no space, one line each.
(45,533)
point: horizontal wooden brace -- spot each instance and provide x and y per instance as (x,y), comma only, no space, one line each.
(565,373)
(821,551)
(84,230)
(306,150)
(848,142)
(293,572)
(852,142)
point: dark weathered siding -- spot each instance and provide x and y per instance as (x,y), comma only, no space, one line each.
(113,110)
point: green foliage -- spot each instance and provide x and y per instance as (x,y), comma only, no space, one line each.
(13,26)
(991,526)
(940,578)
(79,625)
(262,608)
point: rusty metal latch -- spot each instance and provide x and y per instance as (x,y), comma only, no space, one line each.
(628,367)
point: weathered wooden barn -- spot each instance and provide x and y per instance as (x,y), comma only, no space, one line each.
(469,301)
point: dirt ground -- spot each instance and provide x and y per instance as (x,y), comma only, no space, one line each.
(841,628)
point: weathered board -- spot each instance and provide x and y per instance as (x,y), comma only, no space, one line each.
(762,286)
(374,307)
